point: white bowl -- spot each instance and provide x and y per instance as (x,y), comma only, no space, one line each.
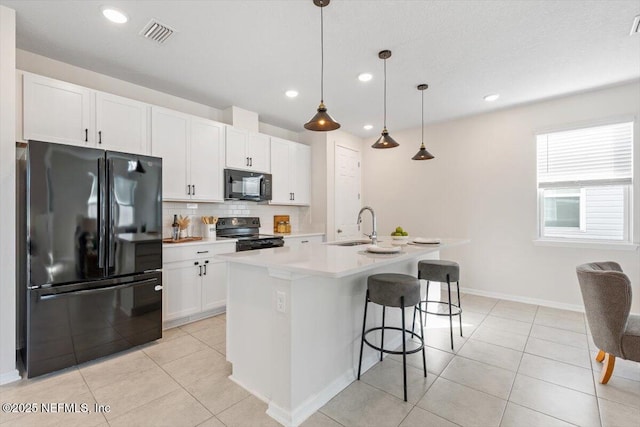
(400,237)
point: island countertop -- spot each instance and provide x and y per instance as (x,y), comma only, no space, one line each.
(328,260)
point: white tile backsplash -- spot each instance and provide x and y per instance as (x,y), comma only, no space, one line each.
(299,215)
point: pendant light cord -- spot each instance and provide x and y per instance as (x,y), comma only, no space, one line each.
(385,93)
(422,117)
(321,56)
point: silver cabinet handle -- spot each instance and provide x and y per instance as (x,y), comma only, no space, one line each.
(202,252)
(188,189)
(305,241)
(250,161)
(86,135)
(200,267)
(205,269)
(247,162)
(99,137)
(339,231)
(194,190)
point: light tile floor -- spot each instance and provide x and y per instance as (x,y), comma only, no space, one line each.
(517,365)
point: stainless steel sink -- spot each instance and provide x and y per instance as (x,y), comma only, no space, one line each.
(351,243)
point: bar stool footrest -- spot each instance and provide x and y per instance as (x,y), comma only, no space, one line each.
(407,331)
(455,309)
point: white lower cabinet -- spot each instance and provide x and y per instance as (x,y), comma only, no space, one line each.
(194,282)
(296,242)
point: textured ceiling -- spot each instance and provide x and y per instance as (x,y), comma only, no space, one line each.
(247,53)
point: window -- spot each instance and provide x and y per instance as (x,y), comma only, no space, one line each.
(584,183)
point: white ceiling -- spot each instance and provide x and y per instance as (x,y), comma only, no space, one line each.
(247,53)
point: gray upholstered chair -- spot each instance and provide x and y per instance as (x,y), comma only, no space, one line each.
(606,292)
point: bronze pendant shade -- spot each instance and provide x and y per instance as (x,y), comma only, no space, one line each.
(322,121)
(422,153)
(385,140)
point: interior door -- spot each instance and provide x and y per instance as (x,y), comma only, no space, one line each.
(347,193)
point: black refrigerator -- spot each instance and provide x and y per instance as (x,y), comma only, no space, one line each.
(92,282)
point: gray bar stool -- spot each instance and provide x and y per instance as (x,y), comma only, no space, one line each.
(393,290)
(440,271)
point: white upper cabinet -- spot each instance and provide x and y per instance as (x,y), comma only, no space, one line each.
(281,172)
(247,150)
(206,160)
(121,124)
(65,113)
(169,140)
(301,185)
(56,111)
(291,171)
(192,151)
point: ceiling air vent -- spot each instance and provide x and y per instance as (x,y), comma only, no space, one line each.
(157,31)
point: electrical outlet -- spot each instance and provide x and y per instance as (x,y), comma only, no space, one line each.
(281,302)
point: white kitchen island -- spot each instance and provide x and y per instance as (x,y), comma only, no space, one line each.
(294,320)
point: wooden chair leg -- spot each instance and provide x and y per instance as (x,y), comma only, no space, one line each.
(607,369)
(600,356)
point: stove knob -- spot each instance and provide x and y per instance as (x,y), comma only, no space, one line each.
(221,222)
(255,221)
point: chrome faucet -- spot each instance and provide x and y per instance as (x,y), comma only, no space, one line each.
(374,235)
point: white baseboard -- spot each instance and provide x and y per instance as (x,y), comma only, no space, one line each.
(307,408)
(168,324)
(517,298)
(9,377)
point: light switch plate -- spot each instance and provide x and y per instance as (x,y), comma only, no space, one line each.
(281,302)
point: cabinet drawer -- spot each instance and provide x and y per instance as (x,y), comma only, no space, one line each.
(183,253)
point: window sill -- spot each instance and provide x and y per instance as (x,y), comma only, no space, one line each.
(567,243)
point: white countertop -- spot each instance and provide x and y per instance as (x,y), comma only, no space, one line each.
(199,242)
(299,234)
(321,259)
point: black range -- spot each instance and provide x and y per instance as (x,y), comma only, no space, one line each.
(247,231)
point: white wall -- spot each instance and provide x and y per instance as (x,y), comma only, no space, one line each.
(8,370)
(482,185)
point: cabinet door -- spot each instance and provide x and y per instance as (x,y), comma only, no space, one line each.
(121,124)
(281,172)
(301,174)
(207,160)
(259,152)
(214,285)
(236,148)
(56,111)
(169,140)
(182,289)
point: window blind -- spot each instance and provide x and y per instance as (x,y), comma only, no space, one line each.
(595,156)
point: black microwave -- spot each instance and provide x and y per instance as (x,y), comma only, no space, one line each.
(245,185)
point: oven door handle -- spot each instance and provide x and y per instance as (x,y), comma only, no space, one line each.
(99,290)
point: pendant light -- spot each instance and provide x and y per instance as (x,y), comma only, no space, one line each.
(385,140)
(422,153)
(322,121)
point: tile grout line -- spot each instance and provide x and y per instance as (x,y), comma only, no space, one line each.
(91,391)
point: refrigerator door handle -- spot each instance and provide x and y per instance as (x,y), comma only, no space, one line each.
(102,212)
(96,291)
(112,215)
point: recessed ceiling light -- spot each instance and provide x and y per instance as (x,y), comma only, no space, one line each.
(365,77)
(367,127)
(492,97)
(114,15)
(291,93)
